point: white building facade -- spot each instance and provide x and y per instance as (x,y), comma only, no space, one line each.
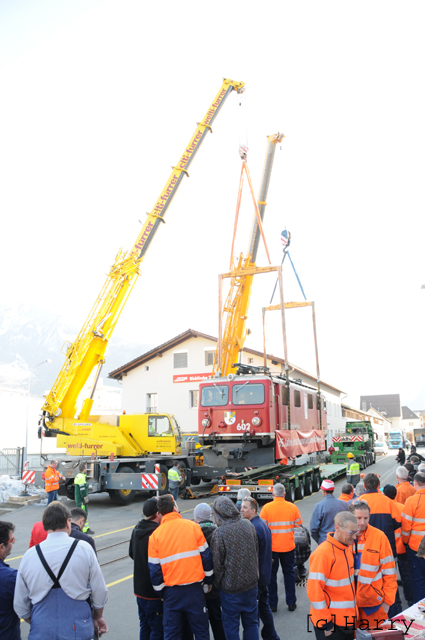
(166,379)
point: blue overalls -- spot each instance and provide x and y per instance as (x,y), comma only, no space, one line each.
(57,616)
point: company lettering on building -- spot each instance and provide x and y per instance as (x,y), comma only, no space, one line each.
(192,377)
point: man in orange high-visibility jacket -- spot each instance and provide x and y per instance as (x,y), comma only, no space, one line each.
(51,481)
(330,584)
(383,514)
(376,573)
(402,560)
(404,488)
(412,532)
(282,517)
(179,562)
(347,492)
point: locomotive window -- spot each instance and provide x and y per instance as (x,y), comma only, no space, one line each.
(310,401)
(284,392)
(297,398)
(218,395)
(248,394)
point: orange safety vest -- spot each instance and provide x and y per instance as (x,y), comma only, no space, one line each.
(177,545)
(281,518)
(377,575)
(404,491)
(330,584)
(413,520)
(399,544)
(51,479)
(345,497)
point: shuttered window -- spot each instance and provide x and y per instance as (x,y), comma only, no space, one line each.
(180,360)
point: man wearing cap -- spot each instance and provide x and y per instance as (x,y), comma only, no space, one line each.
(322,520)
(148,601)
(281,518)
(203,516)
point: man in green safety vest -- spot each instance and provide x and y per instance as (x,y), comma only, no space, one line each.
(174,479)
(353,470)
(82,493)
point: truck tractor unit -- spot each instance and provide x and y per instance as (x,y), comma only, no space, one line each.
(358,439)
(256,418)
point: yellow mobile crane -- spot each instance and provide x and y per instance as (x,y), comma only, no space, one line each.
(130,435)
(243,269)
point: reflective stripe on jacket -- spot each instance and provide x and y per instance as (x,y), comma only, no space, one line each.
(398,537)
(174,478)
(353,468)
(383,515)
(178,553)
(413,520)
(81,488)
(281,518)
(51,479)
(330,584)
(377,575)
(404,491)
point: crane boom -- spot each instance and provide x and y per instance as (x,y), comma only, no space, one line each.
(237,302)
(88,350)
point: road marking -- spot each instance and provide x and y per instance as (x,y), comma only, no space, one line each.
(15,558)
(111,584)
(111,532)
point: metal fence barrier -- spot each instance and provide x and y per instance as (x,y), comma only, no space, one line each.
(11,461)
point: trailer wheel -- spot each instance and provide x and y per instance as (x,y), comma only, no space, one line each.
(299,491)
(163,480)
(316,482)
(122,496)
(308,486)
(290,494)
(206,480)
(70,490)
(195,481)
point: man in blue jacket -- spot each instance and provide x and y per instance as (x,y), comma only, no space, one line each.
(322,520)
(249,510)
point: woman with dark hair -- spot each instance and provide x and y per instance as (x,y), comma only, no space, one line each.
(401,457)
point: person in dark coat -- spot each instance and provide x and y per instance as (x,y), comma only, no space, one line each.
(234,549)
(401,457)
(78,520)
(149,605)
(249,510)
(203,516)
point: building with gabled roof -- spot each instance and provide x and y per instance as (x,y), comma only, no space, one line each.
(166,378)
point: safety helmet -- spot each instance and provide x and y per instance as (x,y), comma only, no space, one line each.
(350,455)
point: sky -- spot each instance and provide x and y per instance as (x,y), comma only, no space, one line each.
(100,99)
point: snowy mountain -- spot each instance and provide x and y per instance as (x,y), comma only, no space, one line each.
(30,335)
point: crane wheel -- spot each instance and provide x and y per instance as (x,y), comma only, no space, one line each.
(122,497)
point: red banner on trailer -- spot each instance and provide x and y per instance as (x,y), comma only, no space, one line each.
(291,443)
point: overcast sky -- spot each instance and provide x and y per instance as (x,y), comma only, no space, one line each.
(99,99)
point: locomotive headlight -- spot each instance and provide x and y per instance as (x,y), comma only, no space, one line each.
(206,422)
(256,421)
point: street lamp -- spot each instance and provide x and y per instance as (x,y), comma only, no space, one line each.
(28,402)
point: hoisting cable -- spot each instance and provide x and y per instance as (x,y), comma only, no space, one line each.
(285,237)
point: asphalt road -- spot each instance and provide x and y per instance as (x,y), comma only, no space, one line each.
(113,525)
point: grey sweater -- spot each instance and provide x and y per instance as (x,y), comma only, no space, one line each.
(234,548)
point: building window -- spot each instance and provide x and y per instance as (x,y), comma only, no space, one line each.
(193,399)
(180,360)
(151,403)
(250,360)
(209,358)
(297,398)
(146,368)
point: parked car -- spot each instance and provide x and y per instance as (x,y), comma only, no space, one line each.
(381,449)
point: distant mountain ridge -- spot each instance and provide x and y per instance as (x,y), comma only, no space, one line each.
(30,335)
